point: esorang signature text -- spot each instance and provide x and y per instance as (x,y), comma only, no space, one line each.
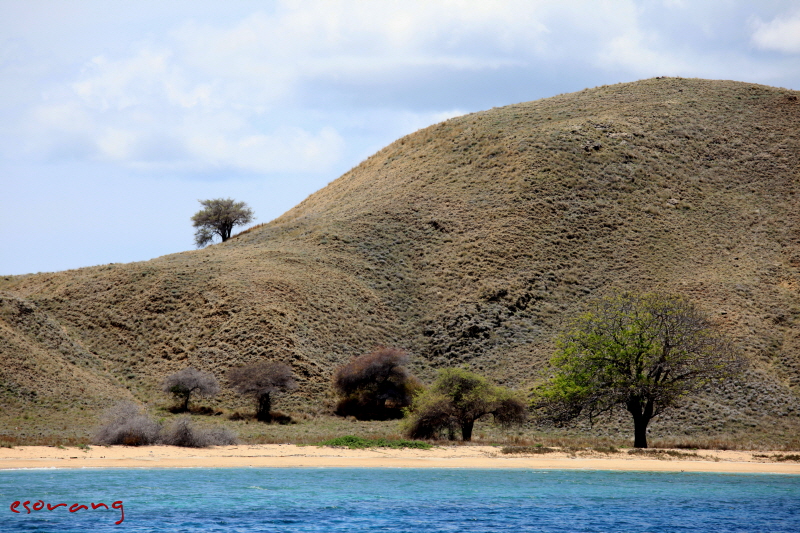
(40,505)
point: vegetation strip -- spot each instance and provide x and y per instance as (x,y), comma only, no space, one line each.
(356,443)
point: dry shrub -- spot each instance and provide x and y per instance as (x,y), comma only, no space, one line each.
(183,433)
(733,441)
(127,424)
(281,418)
(527,450)
(220,436)
(375,386)
(205,410)
(662,454)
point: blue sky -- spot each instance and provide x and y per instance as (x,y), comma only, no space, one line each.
(117,116)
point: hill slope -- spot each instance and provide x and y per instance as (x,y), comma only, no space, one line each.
(471,242)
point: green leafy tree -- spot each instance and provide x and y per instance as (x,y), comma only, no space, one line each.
(218,218)
(261,381)
(375,386)
(456,400)
(643,352)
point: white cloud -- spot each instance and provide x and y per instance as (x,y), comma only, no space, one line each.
(781,34)
(329,38)
(635,53)
(289,150)
(69,117)
(245,95)
(148,111)
(627,41)
(121,84)
(220,96)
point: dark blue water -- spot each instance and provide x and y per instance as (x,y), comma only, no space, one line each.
(409,500)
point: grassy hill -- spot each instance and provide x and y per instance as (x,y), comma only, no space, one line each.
(470,242)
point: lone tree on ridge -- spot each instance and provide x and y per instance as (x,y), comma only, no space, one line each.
(217,218)
(184,383)
(375,386)
(643,352)
(261,380)
(456,400)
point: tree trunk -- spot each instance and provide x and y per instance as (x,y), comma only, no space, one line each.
(264,407)
(466,430)
(642,413)
(185,402)
(226,232)
(640,432)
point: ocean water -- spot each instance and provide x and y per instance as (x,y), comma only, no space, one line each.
(397,500)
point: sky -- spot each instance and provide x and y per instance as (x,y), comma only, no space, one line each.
(116,116)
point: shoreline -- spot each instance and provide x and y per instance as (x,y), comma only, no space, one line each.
(293,456)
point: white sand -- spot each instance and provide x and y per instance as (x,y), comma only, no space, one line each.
(289,455)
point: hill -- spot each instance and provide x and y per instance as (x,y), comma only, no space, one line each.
(470,242)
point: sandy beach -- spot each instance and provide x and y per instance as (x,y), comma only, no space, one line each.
(289,455)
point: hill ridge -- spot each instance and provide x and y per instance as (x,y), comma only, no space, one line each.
(473,240)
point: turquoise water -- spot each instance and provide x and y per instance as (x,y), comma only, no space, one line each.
(407,500)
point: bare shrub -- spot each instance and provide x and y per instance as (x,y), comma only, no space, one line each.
(375,386)
(527,450)
(261,380)
(183,433)
(184,383)
(282,418)
(220,436)
(126,423)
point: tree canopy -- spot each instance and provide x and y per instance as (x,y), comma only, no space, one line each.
(261,380)
(643,352)
(375,386)
(218,218)
(456,400)
(184,383)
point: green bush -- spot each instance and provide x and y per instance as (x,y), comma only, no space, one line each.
(355,443)
(456,400)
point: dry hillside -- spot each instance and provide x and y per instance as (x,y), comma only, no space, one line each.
(470,242)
